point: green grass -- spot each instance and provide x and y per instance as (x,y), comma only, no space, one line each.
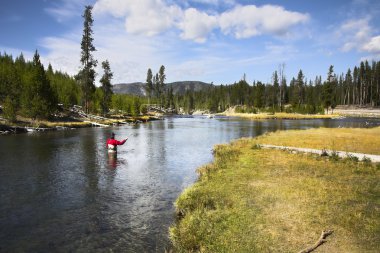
(259,200)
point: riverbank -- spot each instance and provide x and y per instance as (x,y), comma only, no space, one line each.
(279,115)
(231,112)
(264,200)
(23,125)
(339,111)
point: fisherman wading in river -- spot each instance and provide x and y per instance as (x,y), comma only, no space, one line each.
(112,143)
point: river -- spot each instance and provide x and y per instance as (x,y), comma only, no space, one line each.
(61,192)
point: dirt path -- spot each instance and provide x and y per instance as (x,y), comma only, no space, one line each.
(342,154)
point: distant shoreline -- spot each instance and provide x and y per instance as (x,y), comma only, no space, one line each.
(339,111)
(279,115)
(357,111)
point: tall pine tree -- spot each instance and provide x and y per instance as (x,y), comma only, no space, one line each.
(87,74)
(149,84)
(106,86)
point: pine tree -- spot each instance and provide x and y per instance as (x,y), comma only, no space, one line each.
(349,87)
(106,87)
(328,90)
(276,96)
(161,82)
(300,84)
(87,74)
(149,84)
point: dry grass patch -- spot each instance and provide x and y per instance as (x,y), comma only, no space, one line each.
(361,140)
(280,115)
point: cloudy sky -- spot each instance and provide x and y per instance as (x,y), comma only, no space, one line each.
(207,40)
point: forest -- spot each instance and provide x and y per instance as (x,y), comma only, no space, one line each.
(302,95)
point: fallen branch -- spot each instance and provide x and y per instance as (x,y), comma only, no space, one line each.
(321,240)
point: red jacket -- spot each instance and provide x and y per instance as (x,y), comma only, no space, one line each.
(112,144)
(115,142)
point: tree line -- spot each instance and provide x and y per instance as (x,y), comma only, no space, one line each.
(27,89)
(359,87)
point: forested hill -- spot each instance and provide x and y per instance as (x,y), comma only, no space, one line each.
(179,88)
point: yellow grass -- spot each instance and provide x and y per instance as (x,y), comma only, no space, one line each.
(73,124)
(280,115)
(361,140)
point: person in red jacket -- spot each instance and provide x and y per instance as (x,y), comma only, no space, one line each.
(112,143)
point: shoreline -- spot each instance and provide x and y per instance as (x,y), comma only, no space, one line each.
(339,112)
(25,125)
(279,115)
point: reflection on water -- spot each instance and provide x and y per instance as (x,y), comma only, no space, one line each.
(62,191)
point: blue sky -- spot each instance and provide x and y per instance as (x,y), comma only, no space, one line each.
(207,40)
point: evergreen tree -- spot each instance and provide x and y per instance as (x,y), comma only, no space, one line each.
(106,87)
(259,95)
(156,86)
(328,90)
(348,87)
(10,81)
(149,84)
(87,74)
(300,88)
(161,82)
(38,100)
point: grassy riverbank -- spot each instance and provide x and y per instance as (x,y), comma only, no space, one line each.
(279,115)
(261,200)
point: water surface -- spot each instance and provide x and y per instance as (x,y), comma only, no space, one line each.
(61,192)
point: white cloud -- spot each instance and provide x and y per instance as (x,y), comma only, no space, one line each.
(197,25)
(354,33)
(153,17)
(358,34)
(373,45)
(247,21)
(145,17)
(215,2)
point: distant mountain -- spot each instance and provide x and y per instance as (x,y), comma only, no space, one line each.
(178,87)
(181,87)
(129,88)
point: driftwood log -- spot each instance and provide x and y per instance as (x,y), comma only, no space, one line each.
(321,240)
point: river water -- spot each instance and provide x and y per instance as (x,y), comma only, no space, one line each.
(61,191)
